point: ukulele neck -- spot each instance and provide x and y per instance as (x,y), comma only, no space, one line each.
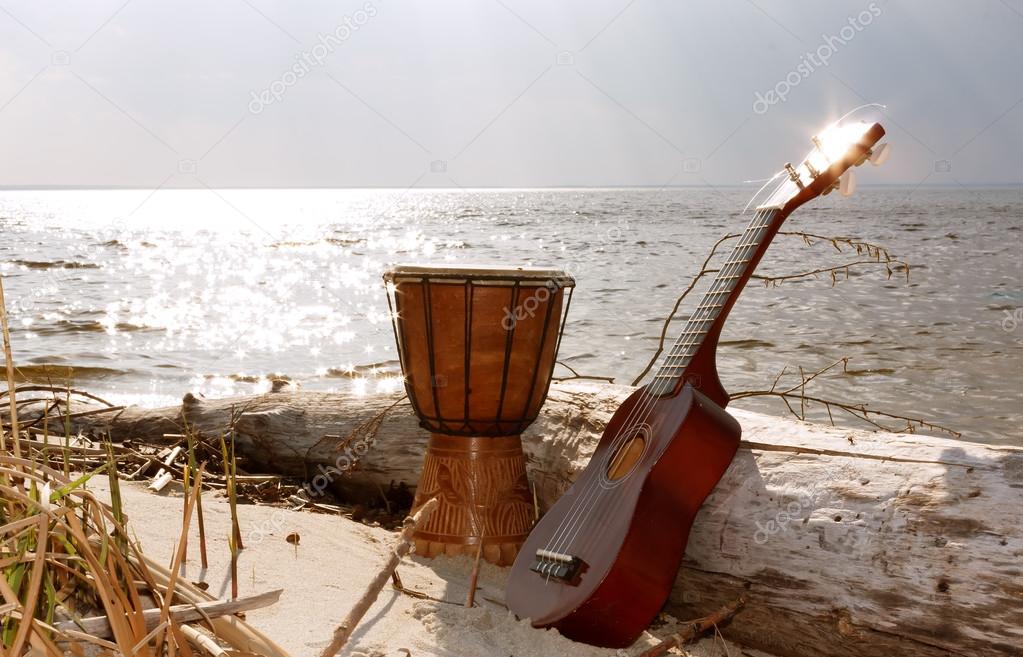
(694,349)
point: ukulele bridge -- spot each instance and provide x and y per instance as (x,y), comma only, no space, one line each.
(557,564)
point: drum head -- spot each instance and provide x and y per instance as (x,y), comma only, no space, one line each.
(483,275)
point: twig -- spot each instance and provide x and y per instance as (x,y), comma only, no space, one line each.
(878,254)
(404,544)
(367,431)
(775,280)
(577,375)
(859,411)
(470,599)
(10,378)
(695,628)
(678,302)
(54,389)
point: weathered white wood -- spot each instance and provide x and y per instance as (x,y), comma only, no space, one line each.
(868,543)
(316,435)
(846,542)
(99,626)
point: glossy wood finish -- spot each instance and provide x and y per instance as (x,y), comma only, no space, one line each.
(477,349)
(477,346)
(632,537)
(631,533)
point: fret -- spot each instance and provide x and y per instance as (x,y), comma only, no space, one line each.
(715,299)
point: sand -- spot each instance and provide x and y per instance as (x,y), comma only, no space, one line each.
(327,571)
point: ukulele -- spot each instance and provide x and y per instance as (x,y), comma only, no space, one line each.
(601,562)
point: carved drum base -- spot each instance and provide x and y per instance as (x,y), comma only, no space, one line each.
(484,495)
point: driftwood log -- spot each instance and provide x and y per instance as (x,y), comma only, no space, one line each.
(844,542)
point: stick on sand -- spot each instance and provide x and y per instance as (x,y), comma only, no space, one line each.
(695,628)
(404,544)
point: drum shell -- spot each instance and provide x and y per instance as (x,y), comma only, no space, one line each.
(477,353)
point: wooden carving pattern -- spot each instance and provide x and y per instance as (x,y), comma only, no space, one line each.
(484,495)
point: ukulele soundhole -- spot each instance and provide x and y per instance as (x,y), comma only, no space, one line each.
(625,454)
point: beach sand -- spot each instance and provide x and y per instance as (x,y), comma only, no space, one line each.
(327,572)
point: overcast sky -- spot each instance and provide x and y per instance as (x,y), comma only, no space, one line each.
(510,93)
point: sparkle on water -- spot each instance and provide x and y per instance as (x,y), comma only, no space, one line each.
(147,295)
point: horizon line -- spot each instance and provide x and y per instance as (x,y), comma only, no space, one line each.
(30,188)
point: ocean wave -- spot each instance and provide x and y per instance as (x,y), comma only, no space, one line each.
(335,241)
(248,378)
(358,371)
(747,344)
(61,373)
(65,326)
(54,264)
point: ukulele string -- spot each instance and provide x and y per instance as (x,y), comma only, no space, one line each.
(754,233)
(582,508)
(645,404)
(740,255)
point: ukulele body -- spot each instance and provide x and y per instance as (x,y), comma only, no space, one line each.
(600,564)
(629,532)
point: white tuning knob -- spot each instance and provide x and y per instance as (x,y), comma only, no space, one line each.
(847,183)
(880,154)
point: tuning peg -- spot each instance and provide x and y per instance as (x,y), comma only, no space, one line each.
(847,183)
(880,154)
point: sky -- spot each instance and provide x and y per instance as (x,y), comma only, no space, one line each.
(498,93)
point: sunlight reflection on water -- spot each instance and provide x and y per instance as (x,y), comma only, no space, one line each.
(147,295)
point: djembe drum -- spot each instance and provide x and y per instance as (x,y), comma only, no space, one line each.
(477,349)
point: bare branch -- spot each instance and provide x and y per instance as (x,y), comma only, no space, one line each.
(859,411)
(876,254)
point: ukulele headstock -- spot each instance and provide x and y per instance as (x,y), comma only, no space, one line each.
(836,150)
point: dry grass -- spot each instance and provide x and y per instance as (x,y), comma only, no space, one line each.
(65,557)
